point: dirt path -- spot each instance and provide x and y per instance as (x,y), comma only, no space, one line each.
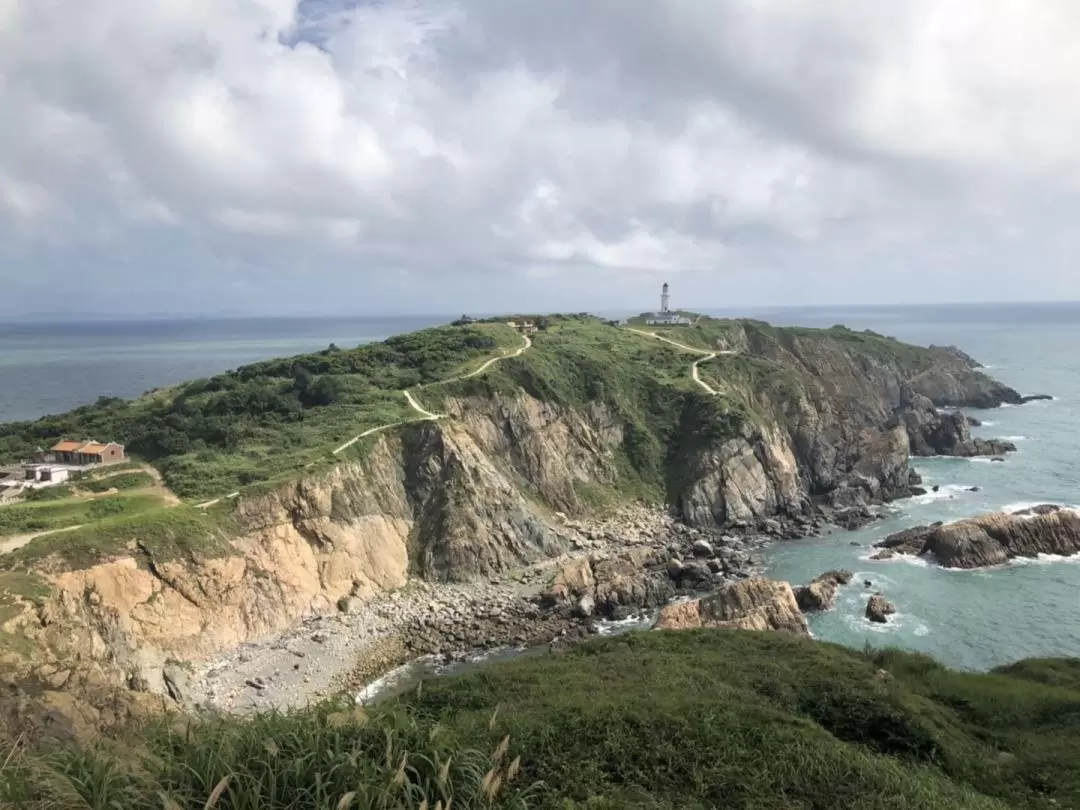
(494,360)
(208,504)
(707,355)
(425,414)
(19,540)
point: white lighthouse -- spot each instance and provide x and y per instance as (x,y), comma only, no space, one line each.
(664,299)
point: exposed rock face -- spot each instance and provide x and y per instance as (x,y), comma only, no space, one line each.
(820,594)
(637,578)
(878,609)
(753,604)
(994,538)
(932,433)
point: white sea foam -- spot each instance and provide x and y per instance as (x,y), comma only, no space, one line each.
(1014,438)
(388,681)
(945,493)
(987,423)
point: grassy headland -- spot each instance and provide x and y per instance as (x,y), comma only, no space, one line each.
(654,720)
(213,436)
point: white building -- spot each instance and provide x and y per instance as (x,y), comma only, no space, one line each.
(665,317)
(44,475)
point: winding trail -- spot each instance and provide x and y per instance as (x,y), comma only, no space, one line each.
(492,361)
(706,356)
(20,540)
(425,414)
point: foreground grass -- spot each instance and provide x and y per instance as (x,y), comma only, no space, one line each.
(656,720)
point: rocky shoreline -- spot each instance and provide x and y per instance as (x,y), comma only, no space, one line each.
(627,566)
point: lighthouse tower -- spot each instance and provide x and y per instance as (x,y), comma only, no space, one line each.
(664,298)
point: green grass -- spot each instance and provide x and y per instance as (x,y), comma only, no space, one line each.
(121,481)
(48,515)
(210,437)
(335,756)
(164,534)
(655,720)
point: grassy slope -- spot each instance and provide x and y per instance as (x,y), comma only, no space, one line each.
(49,515)
(657,720)
(210,437)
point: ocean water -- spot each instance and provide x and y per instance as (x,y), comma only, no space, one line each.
(970,619)
(53,367)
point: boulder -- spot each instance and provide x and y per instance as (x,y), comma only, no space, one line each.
(586,606)
(994,538)
(572,581)
(820,594)
(702,548)
(696,576)
(854,518)
(878,609)
(933,433)
(1034,398)
(884,554)
(753,604)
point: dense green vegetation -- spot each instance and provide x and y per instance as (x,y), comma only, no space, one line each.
(698,719)
(210,437)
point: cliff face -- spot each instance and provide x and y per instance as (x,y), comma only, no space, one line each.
(839,426)
(825,422)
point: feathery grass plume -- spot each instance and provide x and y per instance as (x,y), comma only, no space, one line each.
(494,717)
(216,793)
(360,717)
(167,802)
(490,790)
(271,748)
(399,776)
(500,750)
(485,784)
(389,748)
(514,769)
(444,771)
(346,801)
(338,720)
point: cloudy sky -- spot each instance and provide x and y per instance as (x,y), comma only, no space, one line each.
(270,156)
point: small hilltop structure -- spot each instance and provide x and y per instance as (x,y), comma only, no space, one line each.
(666,317)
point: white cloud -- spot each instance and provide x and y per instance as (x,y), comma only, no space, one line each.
(503,136)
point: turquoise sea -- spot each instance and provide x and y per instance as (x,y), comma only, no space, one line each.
(966,619)
(970,619)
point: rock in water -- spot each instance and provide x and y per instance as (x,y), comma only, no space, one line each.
(932,433)
(1035,398)
(993,539)
(753,604)
(820,594)
(878,609)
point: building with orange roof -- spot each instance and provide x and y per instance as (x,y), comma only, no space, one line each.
(86,453)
